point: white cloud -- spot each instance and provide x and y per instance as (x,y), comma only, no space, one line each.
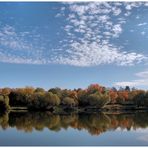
(117,30)
(142,24)
(142,81)
(116,11)
(128,13)
(128,7)
(143,32)
(8,58)
(14,48)
(123,84)
(89,28)
(143,74)
(10,39)
(131,30)
(87,54)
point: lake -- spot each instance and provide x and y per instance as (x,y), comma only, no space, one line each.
(95,129)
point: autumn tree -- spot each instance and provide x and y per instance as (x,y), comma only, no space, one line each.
(122,96)
(93,88)
(28,90)
(5,91)
(113,96)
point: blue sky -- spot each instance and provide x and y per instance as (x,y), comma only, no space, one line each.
(71,45)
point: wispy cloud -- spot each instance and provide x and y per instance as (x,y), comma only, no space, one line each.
(89,29)
(142,80)
(143,32)
(14,48)
(88,54)
(9,38)
(142,24)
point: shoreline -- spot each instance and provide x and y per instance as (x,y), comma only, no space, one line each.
(111,109)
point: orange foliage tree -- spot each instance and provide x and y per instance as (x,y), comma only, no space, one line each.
(95,88)
(122,96)
(113,96)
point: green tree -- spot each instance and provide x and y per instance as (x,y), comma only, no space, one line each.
(41,90)
(4,103)
(18,98)
(82,97)
(99,100)
(127,88)
(43,101)
(52,99)
(67,101)
(56,91)
(139,99)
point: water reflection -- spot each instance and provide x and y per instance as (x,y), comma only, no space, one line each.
(95,124)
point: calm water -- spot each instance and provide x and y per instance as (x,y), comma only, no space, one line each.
(46,129)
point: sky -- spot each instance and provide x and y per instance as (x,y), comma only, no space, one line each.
(73,44)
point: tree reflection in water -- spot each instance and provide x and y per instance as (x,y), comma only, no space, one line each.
(95,124)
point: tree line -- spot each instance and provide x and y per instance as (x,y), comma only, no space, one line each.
(94,95)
